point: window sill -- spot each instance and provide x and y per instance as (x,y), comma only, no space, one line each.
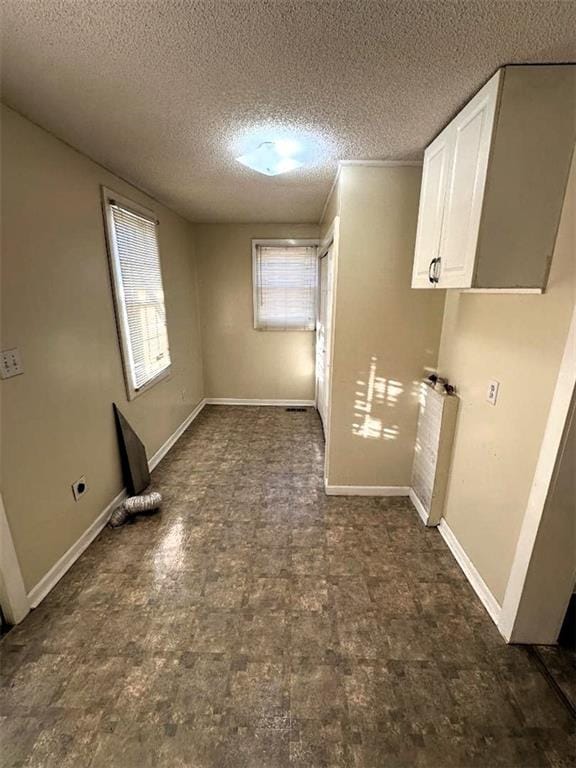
(134,393)
(287,330)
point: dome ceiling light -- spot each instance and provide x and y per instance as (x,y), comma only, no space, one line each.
(274,157)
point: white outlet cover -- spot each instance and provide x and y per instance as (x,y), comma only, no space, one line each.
(492,391)
(10,363)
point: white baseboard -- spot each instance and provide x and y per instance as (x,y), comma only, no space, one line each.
(249,401)
(467,566)
(163,450)
(420,508)
(49,580)
(367,490)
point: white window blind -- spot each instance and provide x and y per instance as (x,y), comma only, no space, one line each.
(285,287)
(139,294)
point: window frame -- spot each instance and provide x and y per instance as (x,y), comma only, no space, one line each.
(122,327)
(279,242)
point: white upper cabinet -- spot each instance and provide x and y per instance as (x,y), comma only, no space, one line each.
(493,184)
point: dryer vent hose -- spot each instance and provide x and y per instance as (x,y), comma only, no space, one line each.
(147,502)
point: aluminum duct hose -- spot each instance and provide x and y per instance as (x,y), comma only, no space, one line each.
(133,506)
(144,503)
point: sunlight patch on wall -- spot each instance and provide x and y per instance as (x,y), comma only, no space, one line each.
(375,394)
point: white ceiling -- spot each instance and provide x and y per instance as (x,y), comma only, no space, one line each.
(161,91)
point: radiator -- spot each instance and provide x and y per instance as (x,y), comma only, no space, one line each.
(436,425)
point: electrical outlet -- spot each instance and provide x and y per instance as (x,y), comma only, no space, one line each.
(79,488)
(10,363)
(492,392)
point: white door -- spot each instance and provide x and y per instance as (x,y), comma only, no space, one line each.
(323,334)
(431,209)
(470,138)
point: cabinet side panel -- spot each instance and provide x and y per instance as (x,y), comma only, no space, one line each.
(446,440)
(527,178)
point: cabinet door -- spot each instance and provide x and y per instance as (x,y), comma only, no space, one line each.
(470,137)
(432,196)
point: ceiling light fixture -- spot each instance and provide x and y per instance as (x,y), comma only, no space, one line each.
(273,157)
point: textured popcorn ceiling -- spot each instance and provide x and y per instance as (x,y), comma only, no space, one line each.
(162,91)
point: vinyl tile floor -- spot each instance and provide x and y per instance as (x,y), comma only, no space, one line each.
(559,662)
(256,622)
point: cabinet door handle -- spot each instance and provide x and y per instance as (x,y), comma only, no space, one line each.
(431,269)
(437,271)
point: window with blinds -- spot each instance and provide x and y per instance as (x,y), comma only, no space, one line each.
(285,282)
(138,292)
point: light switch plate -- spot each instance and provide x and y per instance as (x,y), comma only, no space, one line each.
(10,363)
(492,391)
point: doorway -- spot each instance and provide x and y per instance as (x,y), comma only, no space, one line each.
(543,573)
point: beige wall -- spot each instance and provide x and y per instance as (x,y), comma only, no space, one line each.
(240,362)
(519,341)
(57,308)
(385,334)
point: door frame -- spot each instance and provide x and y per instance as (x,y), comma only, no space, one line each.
(13,598)
(324,246)
(330,240)
(323,253)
